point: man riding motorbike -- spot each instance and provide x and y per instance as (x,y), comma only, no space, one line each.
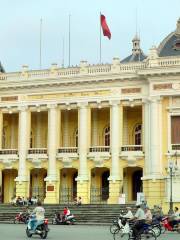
(38,214)
(139,218)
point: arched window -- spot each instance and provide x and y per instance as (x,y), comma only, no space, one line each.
(107,136)
(76,138)
(137,134)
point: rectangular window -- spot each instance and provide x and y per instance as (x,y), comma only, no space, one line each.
(175,130)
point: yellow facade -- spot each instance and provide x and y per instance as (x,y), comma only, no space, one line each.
(96,131)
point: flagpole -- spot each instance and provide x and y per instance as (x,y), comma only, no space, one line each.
(63,52)
(40,45)
(100,41)
(69,40)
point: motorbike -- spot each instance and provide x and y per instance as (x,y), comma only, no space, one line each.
(21,218)
(168,227)
(120,224)
(69,220)
(41,229)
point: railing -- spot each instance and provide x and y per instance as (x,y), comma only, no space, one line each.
(129,148)
(175,146)
(89,69)
(68,150)
(8,151)
(99,69)
(170,61)
(99,149)
(130,67)
(37,151)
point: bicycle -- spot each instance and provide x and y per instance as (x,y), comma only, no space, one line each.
(145,233)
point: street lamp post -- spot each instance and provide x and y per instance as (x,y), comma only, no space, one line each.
(172,168)
(171,200)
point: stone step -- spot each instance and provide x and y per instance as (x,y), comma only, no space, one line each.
(94,214)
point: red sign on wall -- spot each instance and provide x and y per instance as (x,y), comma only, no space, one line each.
(50,188)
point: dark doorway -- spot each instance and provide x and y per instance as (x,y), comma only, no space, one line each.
(105,185)
(136,183)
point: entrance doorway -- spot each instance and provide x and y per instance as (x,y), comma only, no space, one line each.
(68,185)
(8,184)
(37,183)
(132,183)
(99,185)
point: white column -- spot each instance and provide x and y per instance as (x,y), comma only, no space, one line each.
(146,137)
(155,138)
(95,127)
(13,131)
(83,131)
(23,142)
(52,141)
(66,129)
(115,140)
(38,130)
(0,185)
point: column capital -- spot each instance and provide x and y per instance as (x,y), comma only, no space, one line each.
(82,104)
(52,106)
(23,108)
(114,102)
(155,99)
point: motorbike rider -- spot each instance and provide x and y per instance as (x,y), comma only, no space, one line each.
(175,217)
(139,218)
(66,213)
(129,214)
(38,214)
(148,215)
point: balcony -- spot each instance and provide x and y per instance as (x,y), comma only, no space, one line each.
(132,148)
(99,149)
(37,151)
(8,156)
(98,154)
(67,150)
(67,155)
(175,147)
(37,155)
(132,153)
(8,152)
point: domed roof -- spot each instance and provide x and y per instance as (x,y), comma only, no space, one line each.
(1,68)
(170,46)
(137,54)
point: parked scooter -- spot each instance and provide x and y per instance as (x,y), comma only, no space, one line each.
(41,229)
(21,218)
(168,227)
(69,220)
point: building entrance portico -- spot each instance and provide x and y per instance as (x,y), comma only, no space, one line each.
(99,191)
(132,183)
(68,185)
(37,183)
(8,185)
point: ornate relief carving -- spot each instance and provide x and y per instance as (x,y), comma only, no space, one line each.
(130,90)
(163,86)
(176,101)
(11,98)
(176,86)
(64,95)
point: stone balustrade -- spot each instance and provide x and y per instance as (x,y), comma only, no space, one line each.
(8,152)
(132,148)
(68,150)
(90,69)
(37,151)
(99,149)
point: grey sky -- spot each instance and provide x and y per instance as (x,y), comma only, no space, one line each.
(20,20)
